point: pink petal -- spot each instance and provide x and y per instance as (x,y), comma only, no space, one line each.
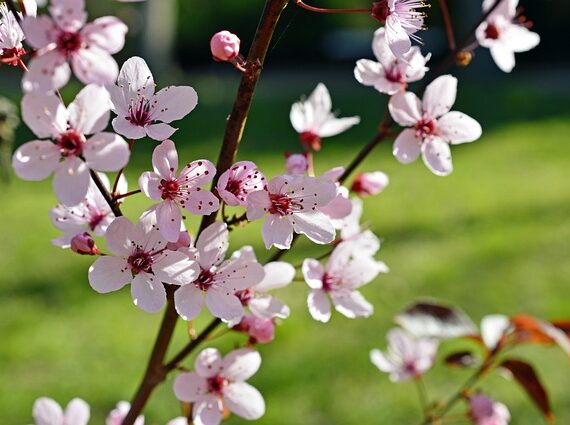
(240,365)
(189,301)
(89,112)
(397,38)
(202,202)
(70,15)
(208,363)
(315,225)
(107,32)
(47,412)
(277,231)
(39,31)
(320,99)
(36,160)
(174,103)
(175,268)
(456,127)
(108,274)
(94,65)
(437,156)
(169,218)
(136,79)
(367,72)
(150,185)
(189,387)
(351,304)
(198,172)
(130,131)
(106,152)
(257,204)
(381,49)
(339,208)
(239,274)
(77,412)
(407,146)
(312,192)
(160,131)
(45,114)
(165,159)
(268,307)
(213,244)
(119,237)
(379,360)
(405,108)
(47,72)
(319,305)
(313,272)
(71,181)
(148,292)
(224,305)
(301,117)
(278,274)
(334,126)
(244,400)
(439,96)
(207,411)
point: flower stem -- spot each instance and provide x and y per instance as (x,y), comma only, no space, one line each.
(305,6)
(108,197)
(448,25)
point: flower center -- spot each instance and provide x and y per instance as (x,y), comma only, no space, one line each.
(216,384)
(140,261)
(71,143)
(234,187)
(492,32)
(394,74)
(95,220)
(328,282)
(69,42)
(310,140)
(205,279)
(139,112)
(245,296)
(426,127)
(280,204)
(12,56)
(170,189)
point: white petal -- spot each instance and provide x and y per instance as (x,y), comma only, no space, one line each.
(213,244)
(224,304)
(136,79)
(40,31)
(169,218)
(437,156)
(174,103)
(244,400)
(240,365)
(107,32)
(149,183)
(520,38)
(36,160)
(106,152)
(503,57)
(207,411)
(208,362)
(46,72)
(188,300)
(130,131)
(89,112)
(109,274)
(315,225)
(119,236)
(148,292)
(367,72)
(319,305)
(456,128)
(493,327)
(77,412)
(405,108)
(397,38)
(160,131)
(94,65)
(334,126)
(165,159)
(176,268)
(277,231)
(45,114)
(352,304)
(189,387)
(278,274)
(47,412)
(439,96)
(257,204)
(313,272)
(379,360)
(407,146)
(268,307)
(71,181)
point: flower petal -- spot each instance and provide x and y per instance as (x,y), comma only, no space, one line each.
(319,305)
(109,274)
(47,412)
(456,127)
(407,146)
(278,274)
(106,152)
(277,231)
(202,202)
(149,183)
(405,108)
(40,31)
(188,300)
(208,362)
(70,15)
(213,244)
(119,236)
(437,156)
(207,411)
(46,72)
(175,268)
(313,272)
(351,304)
(71,181)
(94,65)
(174,103)
(107,32)
(127,129)
(148,292)
(165,159)
(315,225)
(334,126)
(439,96)
(44,114)
(493,327)
(223,304)
(160,131)
(77,412)
(136,79)
(244,400)
(240,365)
(36,160)
(89,112)
(190,387)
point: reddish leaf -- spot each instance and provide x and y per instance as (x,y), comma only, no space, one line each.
(525,375)
(530,330)
(461,359)
(563,325)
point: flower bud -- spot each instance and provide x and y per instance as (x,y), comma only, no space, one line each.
(84,244)
(260,330)
(224,46)
(368,184)
(297,164)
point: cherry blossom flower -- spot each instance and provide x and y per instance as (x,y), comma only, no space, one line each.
(339,282)
(390,74)
(434,128)
(238,181)
(48,412)
(175,191)
(92,214)
(407,357)
(142,112)
(11,36)
(224,46)
(361,240)
(219,383)
(402,20)
(218,279)
(259,329)
(64,39)
(72,154)
(485,411)
(369,184)
(119,413)
(313,119)
(292,203)
(504,34)
(139,257)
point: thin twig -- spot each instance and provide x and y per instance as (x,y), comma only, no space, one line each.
(321,10)
(124,195)
(448,25)
(108,197)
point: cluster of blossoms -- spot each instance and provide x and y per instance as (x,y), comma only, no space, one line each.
(161,260)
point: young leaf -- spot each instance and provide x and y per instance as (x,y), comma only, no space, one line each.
(530,330)
(461,359)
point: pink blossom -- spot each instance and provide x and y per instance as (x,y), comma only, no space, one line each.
(504,34)
(259,329)
(340,207)
(238,181)
(92,214)
(139,256)
(175,192)
(485,411)
(64,39)
(224,46)
(297,164)
(142,112)
(361,240)
(218,280)
(292,204)
(402,21)
(313,119)
(71,154)
(84,244)
(219,383)
(11,36)
(406,358)
(391,73)
(369,184)
(47,412)
(119,413)
(434,127)
(339,282)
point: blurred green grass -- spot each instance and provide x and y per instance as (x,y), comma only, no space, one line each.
(493,237)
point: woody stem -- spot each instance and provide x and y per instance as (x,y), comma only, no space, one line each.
(304,5)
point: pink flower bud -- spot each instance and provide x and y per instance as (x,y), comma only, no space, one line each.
(368,184)
(485,411)
(297,164)
(224,46)
(260,330)
(184,241)
(84,244)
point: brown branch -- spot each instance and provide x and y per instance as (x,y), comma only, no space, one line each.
(108,197)
(306,6)
(448,25)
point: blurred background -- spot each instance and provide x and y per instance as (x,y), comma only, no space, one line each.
(494,237)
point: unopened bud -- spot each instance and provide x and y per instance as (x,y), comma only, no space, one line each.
(224,46)
(368,184)
(464,58)
(260,330)
(84,244)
